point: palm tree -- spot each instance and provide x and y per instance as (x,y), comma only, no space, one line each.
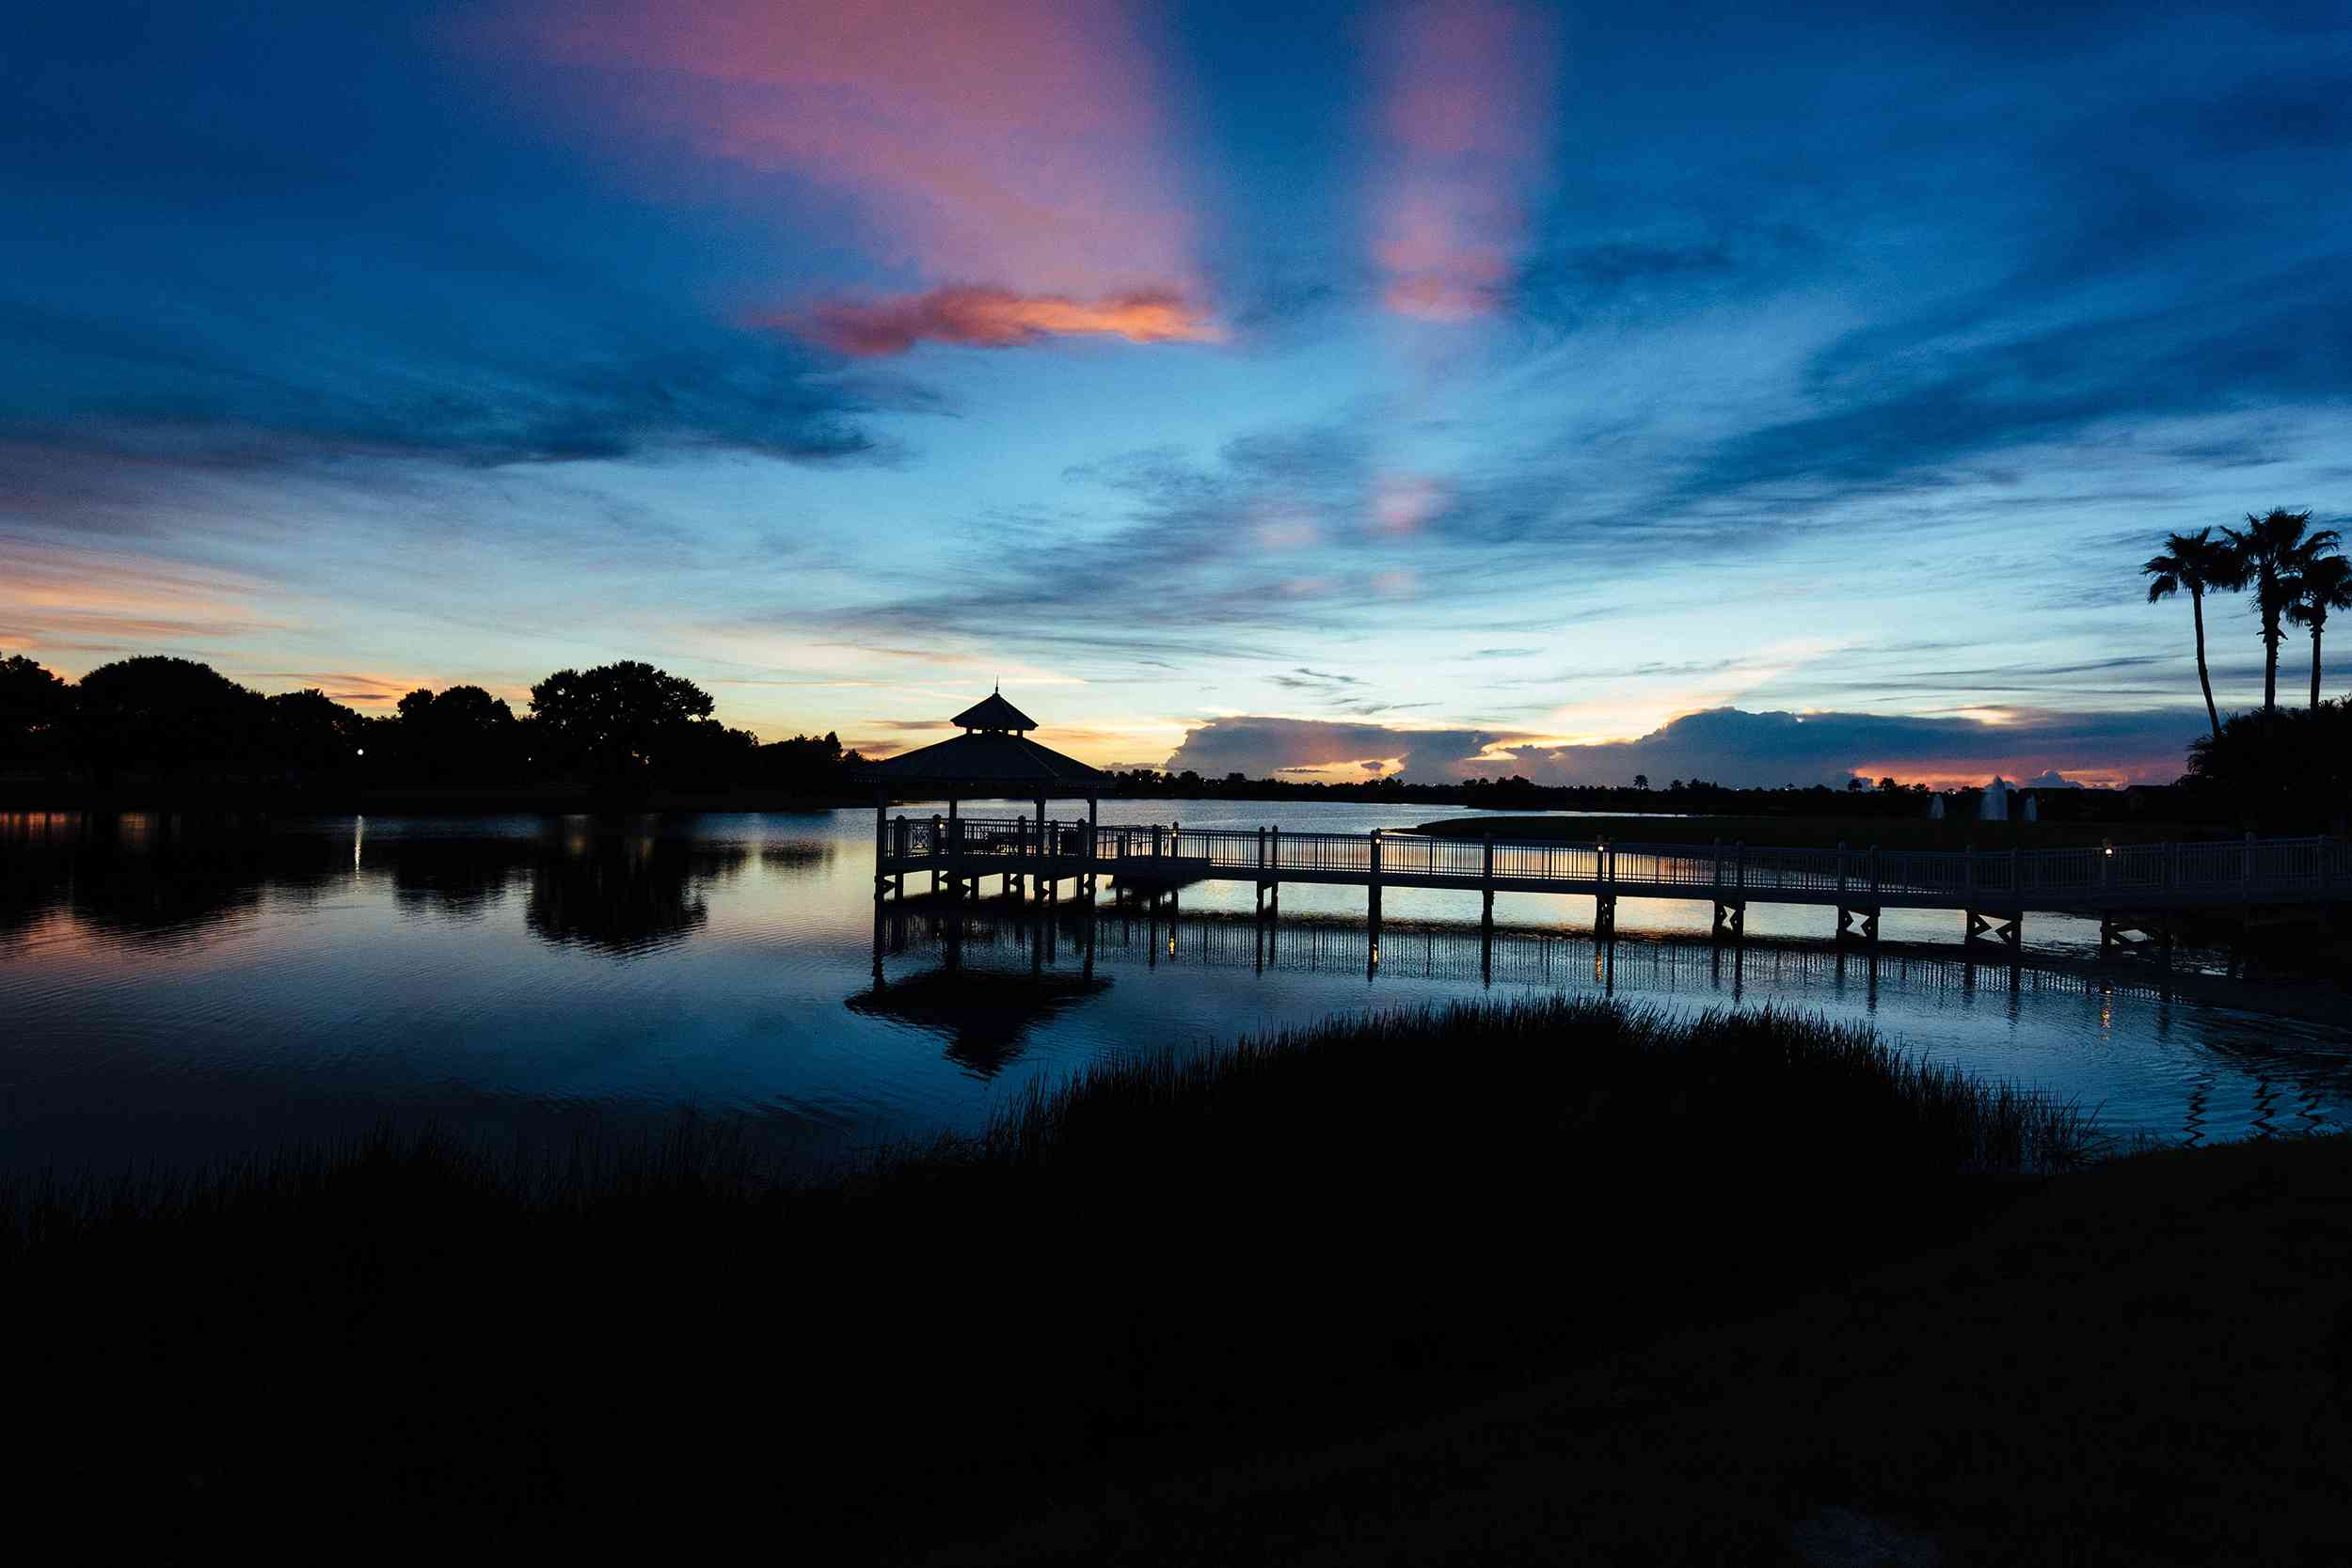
(2324,584)
(2196,562)
(2270,552)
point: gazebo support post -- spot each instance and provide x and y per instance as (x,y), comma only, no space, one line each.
(955,851)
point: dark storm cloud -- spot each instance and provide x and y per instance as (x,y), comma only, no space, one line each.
(1263,747)
(1727,746)
(1734,747)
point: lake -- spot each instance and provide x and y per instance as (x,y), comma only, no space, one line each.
(172,992)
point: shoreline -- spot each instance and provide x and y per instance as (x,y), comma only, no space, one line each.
(1617,1277)
(1285,1243)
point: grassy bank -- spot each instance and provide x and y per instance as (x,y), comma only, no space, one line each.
(2148,1364)
(1172,1263)
(1820,833)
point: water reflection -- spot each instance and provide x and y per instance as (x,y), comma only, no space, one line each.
(1524,956)
(618,886)
(986,1018)
(2299,1075)
(146,879)
(174,986)
(627,894)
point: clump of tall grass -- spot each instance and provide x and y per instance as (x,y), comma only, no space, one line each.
(1573,1075)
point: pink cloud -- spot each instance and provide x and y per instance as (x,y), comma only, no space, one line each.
(1024,146)
(1402,503)
(1466,114)
(998,318)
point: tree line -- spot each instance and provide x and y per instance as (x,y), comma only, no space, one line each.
(159,719)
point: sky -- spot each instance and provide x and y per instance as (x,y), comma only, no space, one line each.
(1761,394)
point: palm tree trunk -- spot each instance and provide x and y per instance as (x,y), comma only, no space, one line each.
(2270,672)
(2213,715)
(2318,627)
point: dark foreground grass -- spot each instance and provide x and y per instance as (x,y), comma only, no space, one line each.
(2148,1364)
(1173,1263)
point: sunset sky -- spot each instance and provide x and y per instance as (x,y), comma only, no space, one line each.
(1759,392)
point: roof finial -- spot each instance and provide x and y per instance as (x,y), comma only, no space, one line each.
(999,687)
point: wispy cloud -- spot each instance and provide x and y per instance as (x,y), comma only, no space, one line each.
(1018,158)
(1465,115)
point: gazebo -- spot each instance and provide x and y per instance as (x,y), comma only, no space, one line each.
(993,758)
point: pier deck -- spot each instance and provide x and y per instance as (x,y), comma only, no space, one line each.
(2129,888)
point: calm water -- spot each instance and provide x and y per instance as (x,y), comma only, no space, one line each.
(170,991)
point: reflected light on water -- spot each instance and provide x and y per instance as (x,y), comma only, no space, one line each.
(175,990)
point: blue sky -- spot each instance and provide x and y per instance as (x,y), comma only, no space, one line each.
(1568,391)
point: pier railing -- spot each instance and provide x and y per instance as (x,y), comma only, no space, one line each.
(2249,869)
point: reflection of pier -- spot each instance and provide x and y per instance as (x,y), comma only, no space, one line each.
(997,934)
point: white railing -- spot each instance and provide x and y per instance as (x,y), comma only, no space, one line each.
(2247,869)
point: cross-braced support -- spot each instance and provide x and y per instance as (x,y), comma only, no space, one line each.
(1997,928)
(1866,930)
(1731,919)
(2135,933)
(1605,916)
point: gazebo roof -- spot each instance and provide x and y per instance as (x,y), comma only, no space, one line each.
(992,712)
(989,756)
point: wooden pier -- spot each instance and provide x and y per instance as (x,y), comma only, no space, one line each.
(2132,890)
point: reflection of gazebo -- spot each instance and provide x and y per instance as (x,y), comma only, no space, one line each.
(985,1018)
(994,758)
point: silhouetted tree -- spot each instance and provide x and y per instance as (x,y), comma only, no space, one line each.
(2269,553)
(168,715)
(2324,583)
(33,708)
(463,734)
(618,719)
(1641,781)
(2197,562)
(707,754)
(804,765)
(311,733)
(2290,771)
